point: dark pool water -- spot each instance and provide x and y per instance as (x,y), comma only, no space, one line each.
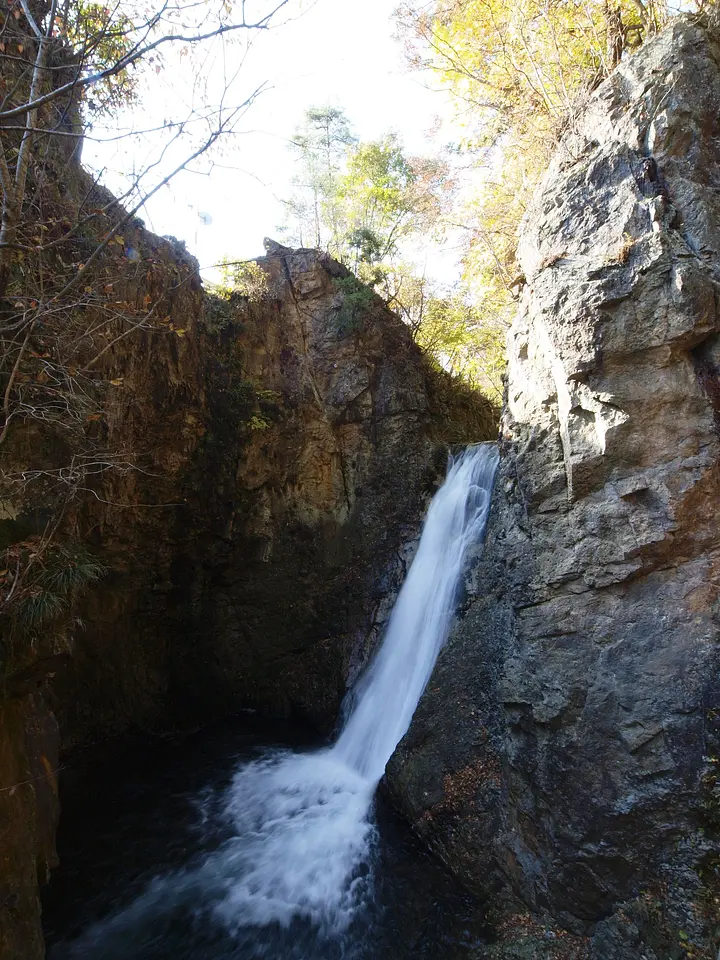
(139,816)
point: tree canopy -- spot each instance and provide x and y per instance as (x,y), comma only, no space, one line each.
(358,200)
(372,206)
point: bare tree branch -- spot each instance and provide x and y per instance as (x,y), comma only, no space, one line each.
(133,57)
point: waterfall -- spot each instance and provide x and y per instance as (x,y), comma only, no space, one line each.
(308,815)
(301,822)
(383,702)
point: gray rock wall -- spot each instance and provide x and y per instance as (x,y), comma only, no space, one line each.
(560,751)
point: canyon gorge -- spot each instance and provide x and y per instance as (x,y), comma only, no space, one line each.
(265,464)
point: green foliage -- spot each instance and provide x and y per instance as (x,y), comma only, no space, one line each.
(367,200)
(357,298)
(235,400)
(100,36)
(245,278)
(376,195)
(365,245)
(520,66)
(238,405)
(519,73)
(267,408)
(323,140)
(359,201)
(386,198)
(463,334)
(464,342)
(258,423)
(219,315)
(40,582)
(269,399)
(240,281)
(313,210)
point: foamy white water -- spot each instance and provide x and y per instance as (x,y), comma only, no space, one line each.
(302,824)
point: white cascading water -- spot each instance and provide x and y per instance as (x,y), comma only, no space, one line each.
(383,702)
(301,823)
(308,814)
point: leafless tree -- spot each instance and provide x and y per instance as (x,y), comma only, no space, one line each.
(72,285)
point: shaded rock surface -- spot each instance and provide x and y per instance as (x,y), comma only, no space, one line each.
(28,817)
(561,751)
(294,462)
(259,472)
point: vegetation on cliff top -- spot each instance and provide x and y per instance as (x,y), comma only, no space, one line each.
(519,74)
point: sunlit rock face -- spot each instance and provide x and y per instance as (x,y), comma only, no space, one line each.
(561,749)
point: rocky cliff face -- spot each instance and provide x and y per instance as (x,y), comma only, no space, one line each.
(565,749)
(296,458)
(257,469)
(28,820)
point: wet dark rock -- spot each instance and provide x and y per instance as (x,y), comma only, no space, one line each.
(28,817)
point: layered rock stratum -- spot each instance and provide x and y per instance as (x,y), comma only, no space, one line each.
(565,751)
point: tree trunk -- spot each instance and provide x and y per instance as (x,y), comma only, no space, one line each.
(615,33)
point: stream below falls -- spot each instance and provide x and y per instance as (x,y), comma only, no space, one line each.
(282,853)
(158,809)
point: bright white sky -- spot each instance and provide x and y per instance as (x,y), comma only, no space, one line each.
(339,52)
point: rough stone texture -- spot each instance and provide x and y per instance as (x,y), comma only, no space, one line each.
(561,748)
(520,935)
(35,664)
(28,817)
